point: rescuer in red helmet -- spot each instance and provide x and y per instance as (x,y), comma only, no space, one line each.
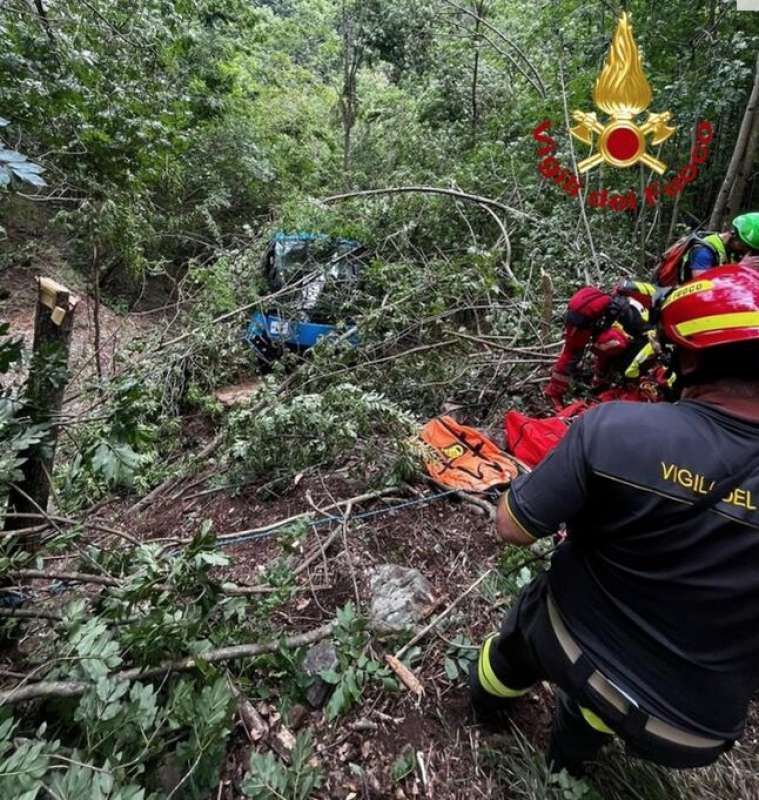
(646,620)
(611,325)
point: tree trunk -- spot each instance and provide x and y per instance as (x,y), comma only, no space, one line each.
(739,151)
(479,9)
(737,193)
(96,314)
(53,326)
(45,22)
(348,99)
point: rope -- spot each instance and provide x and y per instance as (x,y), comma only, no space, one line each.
(331,518)
(17,598)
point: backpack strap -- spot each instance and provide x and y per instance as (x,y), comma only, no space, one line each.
(714,241)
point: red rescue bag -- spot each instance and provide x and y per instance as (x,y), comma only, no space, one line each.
(670,270)
(530,439)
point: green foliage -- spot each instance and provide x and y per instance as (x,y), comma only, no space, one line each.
(120,447)
(319,429)
(459,655)
(113,739)
(16,169)
(268,778)
(29,766)
(355,669)
(404,765)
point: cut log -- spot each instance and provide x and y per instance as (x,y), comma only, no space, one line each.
(53,325)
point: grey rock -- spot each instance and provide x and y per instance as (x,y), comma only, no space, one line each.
(319,658)
(400,597)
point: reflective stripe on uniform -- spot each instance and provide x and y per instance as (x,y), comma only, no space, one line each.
(646,289)
(512,516)
(595,721)
(719,322)
(488,679)
(714,240)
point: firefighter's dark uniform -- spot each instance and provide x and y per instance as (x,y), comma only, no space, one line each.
(648,626)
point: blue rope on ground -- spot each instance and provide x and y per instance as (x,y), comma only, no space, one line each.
(332,519)
(17,599)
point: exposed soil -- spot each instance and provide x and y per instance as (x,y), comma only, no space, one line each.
(452,546)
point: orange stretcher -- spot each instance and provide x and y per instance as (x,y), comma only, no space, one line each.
(463,458)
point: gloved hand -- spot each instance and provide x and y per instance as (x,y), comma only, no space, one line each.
(556,388)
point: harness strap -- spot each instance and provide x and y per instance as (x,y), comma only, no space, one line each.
(634,720)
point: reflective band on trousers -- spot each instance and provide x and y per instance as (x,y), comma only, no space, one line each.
(488,679)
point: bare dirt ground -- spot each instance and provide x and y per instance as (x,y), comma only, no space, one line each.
(451,545)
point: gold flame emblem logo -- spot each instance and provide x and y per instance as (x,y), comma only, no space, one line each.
(623,92)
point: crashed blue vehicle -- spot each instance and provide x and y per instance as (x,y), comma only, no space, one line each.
(325,275)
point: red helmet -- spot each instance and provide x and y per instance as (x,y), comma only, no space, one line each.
(722,307)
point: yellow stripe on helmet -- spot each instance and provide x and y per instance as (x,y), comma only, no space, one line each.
(719,322)
(694,287)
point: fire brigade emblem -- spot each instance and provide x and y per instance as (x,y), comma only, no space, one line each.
(623,92)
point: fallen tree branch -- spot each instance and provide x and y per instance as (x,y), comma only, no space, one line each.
(45,689)
(395,356)
(54,521)
(21,613)
(233,590)
(543,357)
(472,198)
(506,262)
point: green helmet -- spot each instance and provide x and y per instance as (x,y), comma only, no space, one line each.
(747,228)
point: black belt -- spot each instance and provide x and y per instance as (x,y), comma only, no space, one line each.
(612,695)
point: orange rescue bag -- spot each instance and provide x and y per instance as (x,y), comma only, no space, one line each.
(463,458)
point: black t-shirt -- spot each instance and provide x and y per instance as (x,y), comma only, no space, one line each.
(668,612)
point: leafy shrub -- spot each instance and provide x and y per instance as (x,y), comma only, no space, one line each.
(269,779)
(288,436)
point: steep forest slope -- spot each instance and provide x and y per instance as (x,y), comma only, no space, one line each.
(197,613)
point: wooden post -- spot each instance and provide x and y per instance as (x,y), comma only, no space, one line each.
(48,375)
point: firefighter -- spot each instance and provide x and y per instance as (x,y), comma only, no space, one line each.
(612,325)
(646,620)
(740,241)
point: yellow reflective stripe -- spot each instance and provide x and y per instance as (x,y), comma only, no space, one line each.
(690,288)
(714,240)
(719,322)
(488,679)
(595,721)
(645,288)
(646,352)
(513,518)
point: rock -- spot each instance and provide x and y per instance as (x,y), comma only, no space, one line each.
(283,743)
(400,597)
(320,657)
(297,716)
